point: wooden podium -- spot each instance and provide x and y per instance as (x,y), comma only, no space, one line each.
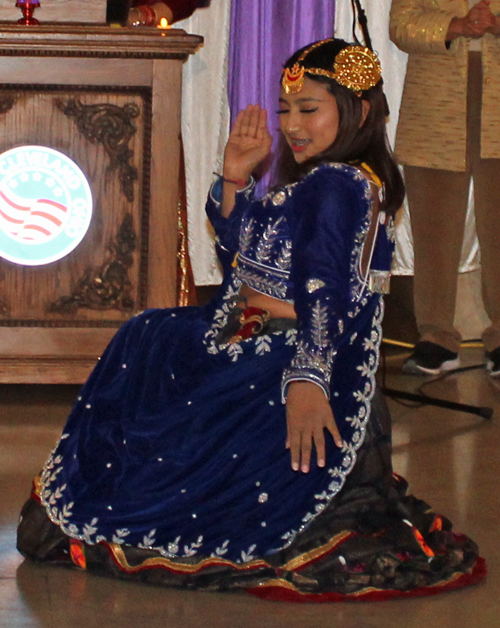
(109,99)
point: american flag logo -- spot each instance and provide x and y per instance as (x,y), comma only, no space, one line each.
(45,205)
(31,221)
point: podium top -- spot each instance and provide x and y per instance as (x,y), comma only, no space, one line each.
(96,41)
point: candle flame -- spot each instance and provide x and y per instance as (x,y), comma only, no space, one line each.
(163,23)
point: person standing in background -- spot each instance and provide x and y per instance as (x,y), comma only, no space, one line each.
(448,131)
(150,12)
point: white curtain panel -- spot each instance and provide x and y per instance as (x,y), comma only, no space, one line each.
(393,63)
(205,128)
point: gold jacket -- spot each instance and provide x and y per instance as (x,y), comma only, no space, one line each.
(432,120)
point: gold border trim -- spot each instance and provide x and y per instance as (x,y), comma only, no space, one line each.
(122,561)
(304,559)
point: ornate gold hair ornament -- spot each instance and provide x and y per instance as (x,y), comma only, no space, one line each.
(355,67)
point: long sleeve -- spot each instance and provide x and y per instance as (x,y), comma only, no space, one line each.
(420,27)
(324,242)
(227,230)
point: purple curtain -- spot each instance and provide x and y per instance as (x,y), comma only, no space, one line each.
(264,33)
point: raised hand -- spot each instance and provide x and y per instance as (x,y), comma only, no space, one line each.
(308,414)
(249,143)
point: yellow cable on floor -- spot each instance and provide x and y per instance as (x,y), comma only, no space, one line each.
(467,344)
(397,343)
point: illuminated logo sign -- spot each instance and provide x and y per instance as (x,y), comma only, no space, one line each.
(45,205)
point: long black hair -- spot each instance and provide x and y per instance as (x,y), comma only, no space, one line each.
(356,141)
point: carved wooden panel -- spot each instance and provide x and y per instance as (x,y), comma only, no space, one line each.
(107,133)
(109,99)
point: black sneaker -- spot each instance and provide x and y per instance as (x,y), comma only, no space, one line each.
(429,358)
(493,362)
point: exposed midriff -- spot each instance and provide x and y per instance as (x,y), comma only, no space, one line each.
(277,308)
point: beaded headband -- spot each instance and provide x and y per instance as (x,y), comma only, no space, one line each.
(355,67)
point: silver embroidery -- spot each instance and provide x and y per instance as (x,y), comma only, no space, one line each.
(314,284)
(391,229)
(379,281)
(220,551)
(309,363)
(191,550)
(248,556)
(319,325)
(173,548)
(234,350)
(262,344)
(271,286)
(148,541)
(279,198)
(246,234)
(284,260)
(265,246)
(291,337)
(119,536)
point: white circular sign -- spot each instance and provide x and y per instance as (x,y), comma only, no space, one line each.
(45,205)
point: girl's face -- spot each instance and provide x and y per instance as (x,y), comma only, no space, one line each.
(309,120)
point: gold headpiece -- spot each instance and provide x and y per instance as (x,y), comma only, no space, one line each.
(355,67)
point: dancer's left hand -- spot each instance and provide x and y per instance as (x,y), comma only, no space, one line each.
(308,414)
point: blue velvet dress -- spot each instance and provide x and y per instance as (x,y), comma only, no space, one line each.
(172,467)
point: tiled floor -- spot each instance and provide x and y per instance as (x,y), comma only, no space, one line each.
(450,458)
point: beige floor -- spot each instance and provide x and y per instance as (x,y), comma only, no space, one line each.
(450,458)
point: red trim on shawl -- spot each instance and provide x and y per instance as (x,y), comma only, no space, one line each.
(287,594)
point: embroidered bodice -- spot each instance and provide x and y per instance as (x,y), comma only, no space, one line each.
(303,244)
(265,249)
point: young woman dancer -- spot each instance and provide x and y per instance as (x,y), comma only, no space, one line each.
(243,445)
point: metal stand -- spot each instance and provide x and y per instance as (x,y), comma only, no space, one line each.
(483,411)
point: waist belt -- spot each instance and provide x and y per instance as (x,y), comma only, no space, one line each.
(243,323)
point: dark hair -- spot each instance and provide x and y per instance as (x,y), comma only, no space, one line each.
(355,142)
